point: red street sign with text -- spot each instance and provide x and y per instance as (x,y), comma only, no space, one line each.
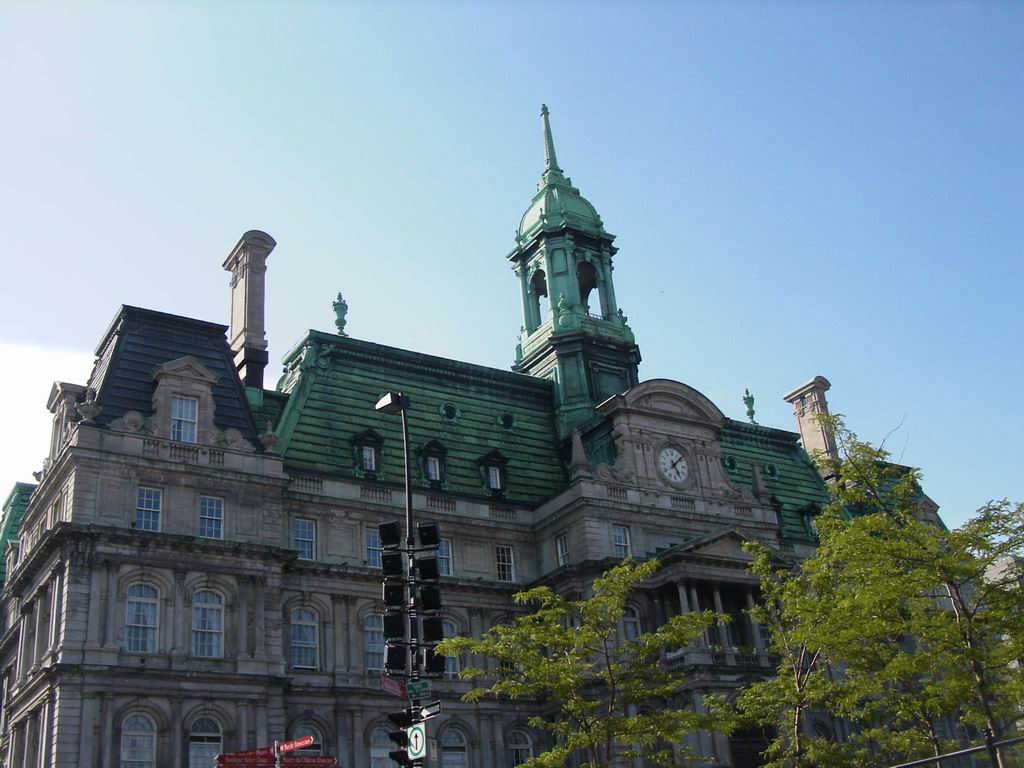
(308,761)
(267,761)
(288,746)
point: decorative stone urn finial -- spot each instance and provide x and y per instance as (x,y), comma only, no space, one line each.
(89,410)
(340,310)
(748,400)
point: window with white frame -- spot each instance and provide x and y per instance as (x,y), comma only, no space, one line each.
(303,634)
(373,548)
(138,741)
(148,502)
(208,624)
(316,748)
(211,517)
(433,468)
(519,746)
(205,742)
(495,481)
(562,549)
(304,537)
(373,642)
(141,618)
(504,559)
(184,417)
(444,557)
(451,663)
(368,458)
(620,541)
(380,747)
(630,623)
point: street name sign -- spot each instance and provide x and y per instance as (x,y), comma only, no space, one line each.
(393,686)
(418,690)
(291,746)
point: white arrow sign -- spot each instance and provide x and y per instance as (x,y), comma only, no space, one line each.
(417,741)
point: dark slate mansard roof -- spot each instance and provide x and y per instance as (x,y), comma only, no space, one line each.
(140,340)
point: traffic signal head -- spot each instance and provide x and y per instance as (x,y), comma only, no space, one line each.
(394,658)
(402,718)
(394,596)
(400,738)
(430,598)
(433,629)
(429,534)
(433,663)
(426,568)
(394,626)
(391,563)
(390,534)
(400,756)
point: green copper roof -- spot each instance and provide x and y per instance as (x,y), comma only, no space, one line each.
(13,510)
(470,411)
(557,204)
(786,470)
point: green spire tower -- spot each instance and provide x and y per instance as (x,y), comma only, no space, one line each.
(573,330)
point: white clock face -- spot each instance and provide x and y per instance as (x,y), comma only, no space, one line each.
(673,465)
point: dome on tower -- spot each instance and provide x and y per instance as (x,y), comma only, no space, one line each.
(557,204)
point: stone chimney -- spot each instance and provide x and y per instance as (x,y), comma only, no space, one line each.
(247,264)
(808,401)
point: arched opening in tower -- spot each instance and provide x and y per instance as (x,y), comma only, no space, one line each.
(539,296)
(586,276)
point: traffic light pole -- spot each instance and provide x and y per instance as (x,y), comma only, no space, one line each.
(412,667)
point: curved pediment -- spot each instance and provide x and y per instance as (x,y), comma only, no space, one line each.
(668,397)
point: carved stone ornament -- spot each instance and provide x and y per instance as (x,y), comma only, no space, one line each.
(88,411)
(268,439)
(340,311)
(231,438)
(624,470)
(133,422)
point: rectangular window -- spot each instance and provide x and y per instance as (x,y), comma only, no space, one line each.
(494,478)
(304,538)
(147,509)
(562,549)
(211,517)
(184,416)
(433,468)
(369,454)
(373,549)
(444,557)
(373,642)
(304,639)
(620,541)
(504,558)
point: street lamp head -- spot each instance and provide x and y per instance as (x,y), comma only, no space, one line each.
(392,402)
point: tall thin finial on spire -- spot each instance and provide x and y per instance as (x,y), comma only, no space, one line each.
(550,161)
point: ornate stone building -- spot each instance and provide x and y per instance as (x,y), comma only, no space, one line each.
(198,568)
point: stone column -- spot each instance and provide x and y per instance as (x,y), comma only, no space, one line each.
(340,626)
(723,634)
(177,733)
(755,629)
(341,734)
(23,640)
(107,746)
(243,619)
(261,722)
(260,622)
(42,633)
(111,626)
(32,741)
(45,726)
(612,307)
(498,727)
(56,639)
(92,627)
(350,721)
(703,640)
(684,602)
(17,744)
(87,732)
(362,753)
(485,727)
(178,634)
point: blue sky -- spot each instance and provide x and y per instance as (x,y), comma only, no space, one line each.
(797,189)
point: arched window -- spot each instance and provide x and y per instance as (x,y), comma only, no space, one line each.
(519,746)
(316,748)
(451,663)
(630,623)
(453,749)
(205,742)
(380,746)
(138,742)
(305,650)
(373,642)
(539,296)
(208,624)
(822,731)
(141,618)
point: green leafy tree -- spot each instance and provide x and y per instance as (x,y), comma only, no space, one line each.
(895,623)
(604,697)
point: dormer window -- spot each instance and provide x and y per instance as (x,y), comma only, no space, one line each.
(184,419)
(494,468)
(367,453)
(432,462)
